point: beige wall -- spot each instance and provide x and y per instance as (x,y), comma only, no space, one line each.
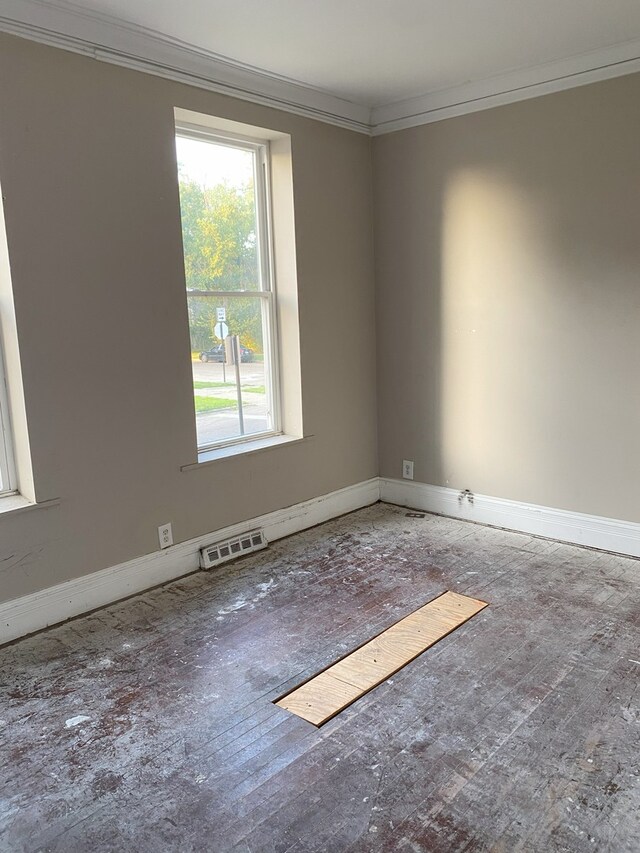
(88,175)
(508,285)
(508,297)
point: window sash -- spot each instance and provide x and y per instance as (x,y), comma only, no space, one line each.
(260,151)
(223,294)
(271,378)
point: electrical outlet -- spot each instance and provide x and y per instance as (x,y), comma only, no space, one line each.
(165,535)
(407,469)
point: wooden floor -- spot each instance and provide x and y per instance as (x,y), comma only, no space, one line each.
(149,726)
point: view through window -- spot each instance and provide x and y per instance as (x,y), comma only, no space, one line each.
(225,231)
(6,472)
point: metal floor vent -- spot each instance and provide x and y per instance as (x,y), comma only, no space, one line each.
(229,549)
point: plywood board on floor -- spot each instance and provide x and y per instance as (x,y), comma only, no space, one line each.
(326,694)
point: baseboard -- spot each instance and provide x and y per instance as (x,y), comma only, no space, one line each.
(607,534)
(22,616)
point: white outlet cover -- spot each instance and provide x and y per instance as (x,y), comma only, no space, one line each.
(407,469)
(165,535)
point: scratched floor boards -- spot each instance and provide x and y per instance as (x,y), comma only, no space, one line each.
(150,725)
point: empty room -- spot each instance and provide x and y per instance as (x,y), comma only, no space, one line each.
(319,426)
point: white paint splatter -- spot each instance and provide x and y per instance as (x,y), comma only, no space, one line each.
(263,591)
(75,721)
(9,812)
(237,605)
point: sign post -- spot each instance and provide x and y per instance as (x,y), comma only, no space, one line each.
(221,330)
(235,342)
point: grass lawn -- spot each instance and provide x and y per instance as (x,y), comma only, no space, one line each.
(253,389)
(198,384)
(210,404)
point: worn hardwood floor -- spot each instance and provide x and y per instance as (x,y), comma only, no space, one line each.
(149,725)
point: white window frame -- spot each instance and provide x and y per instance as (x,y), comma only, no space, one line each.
(267,293)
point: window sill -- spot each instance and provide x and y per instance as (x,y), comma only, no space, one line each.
(17,503)
(242,449)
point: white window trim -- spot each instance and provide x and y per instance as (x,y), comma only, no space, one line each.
(18,490)
(281,200)
(261,149)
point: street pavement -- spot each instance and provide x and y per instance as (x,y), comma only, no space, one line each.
(224,423)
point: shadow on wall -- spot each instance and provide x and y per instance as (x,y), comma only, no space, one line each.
(408,308)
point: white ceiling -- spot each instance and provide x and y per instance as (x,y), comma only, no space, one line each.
(370,53)
(374,52)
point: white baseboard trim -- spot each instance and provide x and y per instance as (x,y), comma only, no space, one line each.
(22,616)
(607,534)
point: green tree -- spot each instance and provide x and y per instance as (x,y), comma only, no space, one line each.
(220,253)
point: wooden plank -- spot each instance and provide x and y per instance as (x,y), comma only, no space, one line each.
(317,699)
(329,692)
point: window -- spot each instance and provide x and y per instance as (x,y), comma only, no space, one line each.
(7,473)
(9,359)
(226,233)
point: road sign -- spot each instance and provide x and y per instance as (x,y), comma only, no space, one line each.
(221,314)
(221,329)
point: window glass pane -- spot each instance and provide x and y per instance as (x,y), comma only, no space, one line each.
(5,484)
(221,230)
(219,221)
(230,405)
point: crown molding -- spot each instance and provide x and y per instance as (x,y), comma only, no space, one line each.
(508,88)
(107,39)
(101,37)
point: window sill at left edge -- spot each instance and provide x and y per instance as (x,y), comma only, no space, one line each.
(16,503)
(206,457)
